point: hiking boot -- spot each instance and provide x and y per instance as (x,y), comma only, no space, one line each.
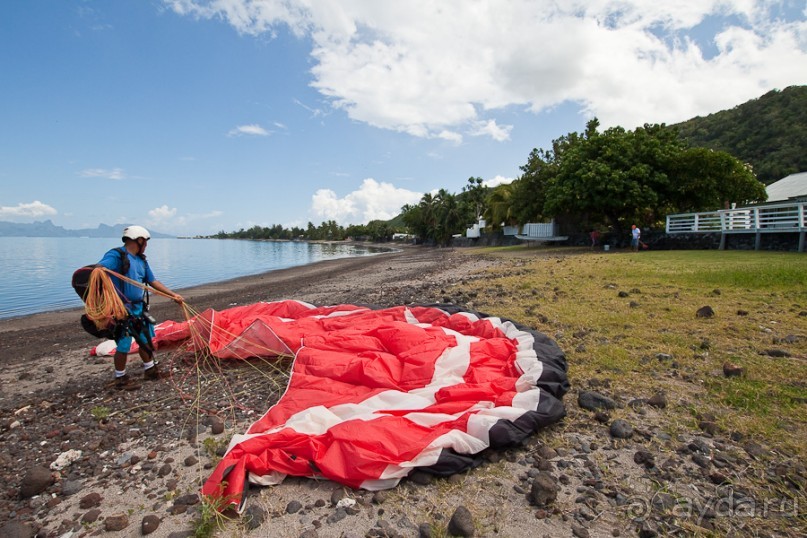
(126,383)
(152,374)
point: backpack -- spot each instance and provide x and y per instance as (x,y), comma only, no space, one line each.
(81,285)
(81,276)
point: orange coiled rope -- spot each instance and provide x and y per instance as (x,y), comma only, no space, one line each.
(102,304)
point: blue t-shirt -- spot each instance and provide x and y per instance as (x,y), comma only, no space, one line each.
(139,271)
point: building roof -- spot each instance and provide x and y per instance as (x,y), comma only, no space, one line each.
(792,187)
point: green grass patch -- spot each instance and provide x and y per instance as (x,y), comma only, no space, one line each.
(762,398)
(631,318)
(741,269)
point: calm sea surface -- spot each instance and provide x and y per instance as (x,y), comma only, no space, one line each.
(35,272)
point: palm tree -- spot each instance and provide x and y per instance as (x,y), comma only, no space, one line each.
(500,206)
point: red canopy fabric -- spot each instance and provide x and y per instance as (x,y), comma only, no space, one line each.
(376,393)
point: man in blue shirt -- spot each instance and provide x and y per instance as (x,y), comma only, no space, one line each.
(636,234)
(138,326)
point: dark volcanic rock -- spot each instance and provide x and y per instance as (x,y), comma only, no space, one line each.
(149,524)
(544,489)
(594,401)
(16,529)
(216,425)
(254,516)
(705,312)
(35,481)
(643,457)
(462,522)
(91,500)
(732,370)
(658,400)
(91,516)
(116,522)
(621,429)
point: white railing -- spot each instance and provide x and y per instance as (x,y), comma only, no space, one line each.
(753,219)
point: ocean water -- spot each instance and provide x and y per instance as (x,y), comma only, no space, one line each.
(35,272)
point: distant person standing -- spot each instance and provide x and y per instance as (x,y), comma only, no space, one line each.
(636,234)
(595,238)
(130,261)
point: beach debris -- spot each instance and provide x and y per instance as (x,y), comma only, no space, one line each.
(65,459)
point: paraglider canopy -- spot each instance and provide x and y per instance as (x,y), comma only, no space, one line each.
(376,393)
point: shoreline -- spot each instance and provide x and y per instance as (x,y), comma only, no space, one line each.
(53,316)
(36,335)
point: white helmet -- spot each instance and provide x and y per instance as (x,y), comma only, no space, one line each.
(134,233)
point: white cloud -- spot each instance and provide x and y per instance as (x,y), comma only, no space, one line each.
(372,201)
(491,129)
(165,216)
(498,180)
(434,69)
(34,209)
(115,173)
(450,136)
(253,129)
(162,213)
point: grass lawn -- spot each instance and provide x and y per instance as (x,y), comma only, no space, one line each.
(631,318)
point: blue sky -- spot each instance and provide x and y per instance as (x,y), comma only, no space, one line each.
(191,117)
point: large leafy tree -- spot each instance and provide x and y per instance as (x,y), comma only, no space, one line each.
(612,176)
(708,179)
(618,176)
(529,191)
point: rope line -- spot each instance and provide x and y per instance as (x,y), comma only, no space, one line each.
(102,303)
(199,378)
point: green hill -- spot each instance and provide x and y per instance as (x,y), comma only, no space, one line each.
(769,133)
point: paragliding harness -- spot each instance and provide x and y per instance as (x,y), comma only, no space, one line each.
(134,326)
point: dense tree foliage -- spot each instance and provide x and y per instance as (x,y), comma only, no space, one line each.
(437,217)
(769,133)
(376,230)
(618,176)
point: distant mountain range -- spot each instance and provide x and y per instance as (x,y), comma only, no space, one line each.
(46,228)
